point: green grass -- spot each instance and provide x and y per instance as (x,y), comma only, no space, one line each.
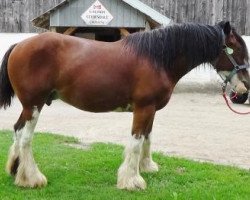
(91,174)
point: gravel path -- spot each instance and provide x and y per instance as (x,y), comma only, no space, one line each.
(192,125)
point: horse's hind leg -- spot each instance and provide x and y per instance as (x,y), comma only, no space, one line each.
(13,159)
(21,162)
(128,173)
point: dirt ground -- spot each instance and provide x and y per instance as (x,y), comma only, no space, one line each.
(193,125)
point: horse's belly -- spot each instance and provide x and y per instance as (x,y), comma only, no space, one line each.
(96,101)
(100,106)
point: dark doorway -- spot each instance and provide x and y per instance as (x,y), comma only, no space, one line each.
(100,34)
(107,35)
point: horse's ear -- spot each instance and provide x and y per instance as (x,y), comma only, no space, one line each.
(227,28)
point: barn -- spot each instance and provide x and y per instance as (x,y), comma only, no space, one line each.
(103,20)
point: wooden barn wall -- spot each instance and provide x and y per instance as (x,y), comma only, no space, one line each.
(15,15)
(206,11)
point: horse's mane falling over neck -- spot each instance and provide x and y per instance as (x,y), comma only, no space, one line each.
(197,43)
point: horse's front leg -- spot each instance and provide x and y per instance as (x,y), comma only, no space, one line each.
(128,174)
(146,162)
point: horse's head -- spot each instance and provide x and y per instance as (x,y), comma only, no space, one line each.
(232,62)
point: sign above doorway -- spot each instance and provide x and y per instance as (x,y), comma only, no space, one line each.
(97,14)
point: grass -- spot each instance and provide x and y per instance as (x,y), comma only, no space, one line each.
(91,174)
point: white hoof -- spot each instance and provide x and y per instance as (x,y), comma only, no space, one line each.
(35,180)
(131,183)
(148,165)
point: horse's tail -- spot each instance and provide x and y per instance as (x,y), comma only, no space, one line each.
(6,90)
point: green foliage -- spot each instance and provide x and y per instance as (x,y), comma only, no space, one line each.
(91,174)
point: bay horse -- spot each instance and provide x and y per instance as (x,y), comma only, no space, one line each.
(142,70)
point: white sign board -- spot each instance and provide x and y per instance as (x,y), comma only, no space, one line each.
(97,14)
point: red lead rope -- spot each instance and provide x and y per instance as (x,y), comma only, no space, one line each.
(240,113)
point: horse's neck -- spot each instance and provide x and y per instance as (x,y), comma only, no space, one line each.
(180,68)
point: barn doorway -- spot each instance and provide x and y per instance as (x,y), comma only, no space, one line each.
(100,34)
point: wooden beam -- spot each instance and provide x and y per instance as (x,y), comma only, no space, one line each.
(70,31)
(147,27)
(124,32)
(53,29)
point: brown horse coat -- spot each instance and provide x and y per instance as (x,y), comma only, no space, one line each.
(83,73)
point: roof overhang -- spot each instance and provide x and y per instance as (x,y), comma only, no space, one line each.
(149,12)
(156,18)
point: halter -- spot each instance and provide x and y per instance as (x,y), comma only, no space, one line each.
(228,51)
(236,69)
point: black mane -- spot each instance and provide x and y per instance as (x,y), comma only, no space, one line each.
(196,42)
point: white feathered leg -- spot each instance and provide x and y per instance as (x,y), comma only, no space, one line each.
(146,162)
(13,158)
(28,174)
(128,173)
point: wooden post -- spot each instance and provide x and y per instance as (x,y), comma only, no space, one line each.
(247,25)
(53,29)
(70,31)
(147,27)
(124,32)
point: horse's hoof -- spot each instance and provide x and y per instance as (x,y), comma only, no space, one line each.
(131,183)
(34,181)
(148,165)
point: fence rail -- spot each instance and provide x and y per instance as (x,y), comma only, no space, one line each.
(15,15)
